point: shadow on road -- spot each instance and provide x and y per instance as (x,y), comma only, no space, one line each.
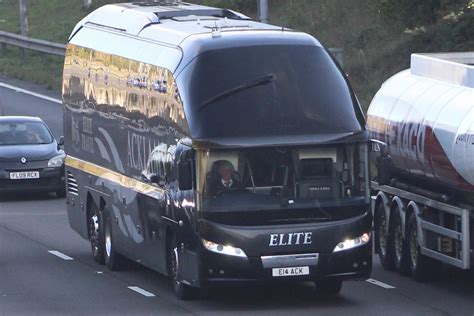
(455,280)
(289,297)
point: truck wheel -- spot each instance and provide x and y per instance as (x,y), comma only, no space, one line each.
(383,239)
(328,287)
(113,260)
(182,291)
(418,264)
(399,244)
(96,233)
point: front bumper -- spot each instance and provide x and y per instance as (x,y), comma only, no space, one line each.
(353,264)
(203,268)
(50,180)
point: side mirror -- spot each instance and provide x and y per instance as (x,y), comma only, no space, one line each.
(379,147)
(185,175)
(382,161)
(61,142)
(155,179)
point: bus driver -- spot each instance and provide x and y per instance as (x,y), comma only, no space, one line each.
(224,178)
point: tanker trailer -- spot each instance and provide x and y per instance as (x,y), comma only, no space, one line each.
(423,193)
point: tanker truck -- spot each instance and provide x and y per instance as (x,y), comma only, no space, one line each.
(423,193)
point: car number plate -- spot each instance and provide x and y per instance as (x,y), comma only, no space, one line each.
(283,272)
(24,175)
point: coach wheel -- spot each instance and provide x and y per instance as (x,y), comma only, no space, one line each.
(96,234)
(181,290)
(113,260)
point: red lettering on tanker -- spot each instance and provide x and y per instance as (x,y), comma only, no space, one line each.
(417,150)
(407,140)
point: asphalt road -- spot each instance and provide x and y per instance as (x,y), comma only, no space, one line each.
(35,281)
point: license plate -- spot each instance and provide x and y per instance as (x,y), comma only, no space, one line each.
(24,175)
(283,272)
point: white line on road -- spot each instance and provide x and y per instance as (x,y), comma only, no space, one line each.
(141,291)
(381,284)
(38,95)
(60,255)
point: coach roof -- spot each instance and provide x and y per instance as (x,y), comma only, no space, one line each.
(172,22)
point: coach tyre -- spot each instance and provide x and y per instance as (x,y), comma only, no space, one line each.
(182,291)
(113,260)
(383,239)
(96,233)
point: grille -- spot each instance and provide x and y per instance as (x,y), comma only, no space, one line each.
(72,187)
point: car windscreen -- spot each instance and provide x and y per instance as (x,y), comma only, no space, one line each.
(24,133)
(268,90)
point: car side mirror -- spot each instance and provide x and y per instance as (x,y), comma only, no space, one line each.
(185,175)
(61,142)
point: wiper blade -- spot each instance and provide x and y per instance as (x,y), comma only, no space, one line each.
(248,85)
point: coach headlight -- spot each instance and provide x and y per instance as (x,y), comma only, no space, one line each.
(352,243)
(223,249)
(56,161)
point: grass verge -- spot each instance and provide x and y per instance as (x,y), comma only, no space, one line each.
(45,70)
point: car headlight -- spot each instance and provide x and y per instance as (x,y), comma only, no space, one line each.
(352,243)
(223,249)
(56,161)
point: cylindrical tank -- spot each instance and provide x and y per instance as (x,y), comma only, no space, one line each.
(425,115)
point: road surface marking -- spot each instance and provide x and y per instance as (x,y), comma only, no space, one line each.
(38,95)
(60,255)
(381,284)
(141,291)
